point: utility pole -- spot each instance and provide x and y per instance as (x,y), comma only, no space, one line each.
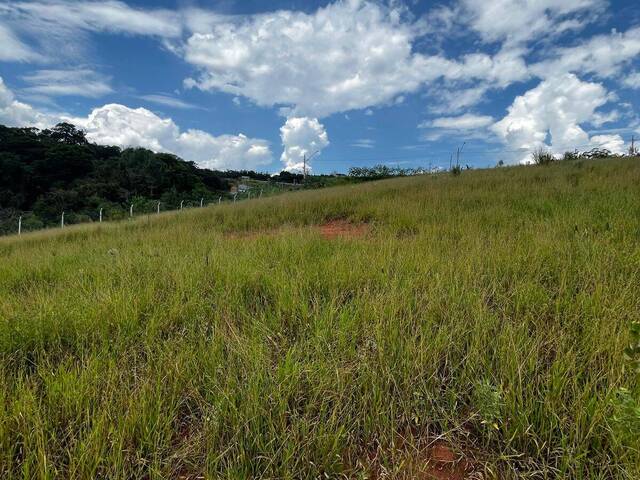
(304,159)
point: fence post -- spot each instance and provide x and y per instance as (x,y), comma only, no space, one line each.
(201,202)
(62,221)
(219,200)
(20,225)
(260,193)
(100,215)
(181,204)
(131,210)
(234,197)
(158,207)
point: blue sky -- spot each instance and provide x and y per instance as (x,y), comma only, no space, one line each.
(257,84)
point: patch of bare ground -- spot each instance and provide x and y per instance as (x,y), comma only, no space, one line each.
(436,461)
(343,228)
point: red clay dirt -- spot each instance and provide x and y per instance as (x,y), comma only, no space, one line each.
(445,464)
(343,228)
(435,462)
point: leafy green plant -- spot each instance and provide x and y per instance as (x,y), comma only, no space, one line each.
(488,402)
(625,419)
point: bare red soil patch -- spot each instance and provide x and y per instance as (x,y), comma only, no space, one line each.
(343,228)
(444,464)
(437,461)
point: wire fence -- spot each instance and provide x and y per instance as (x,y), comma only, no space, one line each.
(134,211)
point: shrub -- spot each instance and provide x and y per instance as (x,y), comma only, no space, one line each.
(542,156)
(575,155)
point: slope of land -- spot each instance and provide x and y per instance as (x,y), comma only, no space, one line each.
(424,327)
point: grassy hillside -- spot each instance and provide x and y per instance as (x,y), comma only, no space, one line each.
(480,317)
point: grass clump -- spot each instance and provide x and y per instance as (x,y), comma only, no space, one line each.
(490,310)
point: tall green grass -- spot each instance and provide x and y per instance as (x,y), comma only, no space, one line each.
(490,309)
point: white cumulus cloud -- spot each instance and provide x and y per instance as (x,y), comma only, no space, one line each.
(301,136)
(549,115)
(115,124)
(349,55)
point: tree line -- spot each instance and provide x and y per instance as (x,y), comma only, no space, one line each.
(45,172)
